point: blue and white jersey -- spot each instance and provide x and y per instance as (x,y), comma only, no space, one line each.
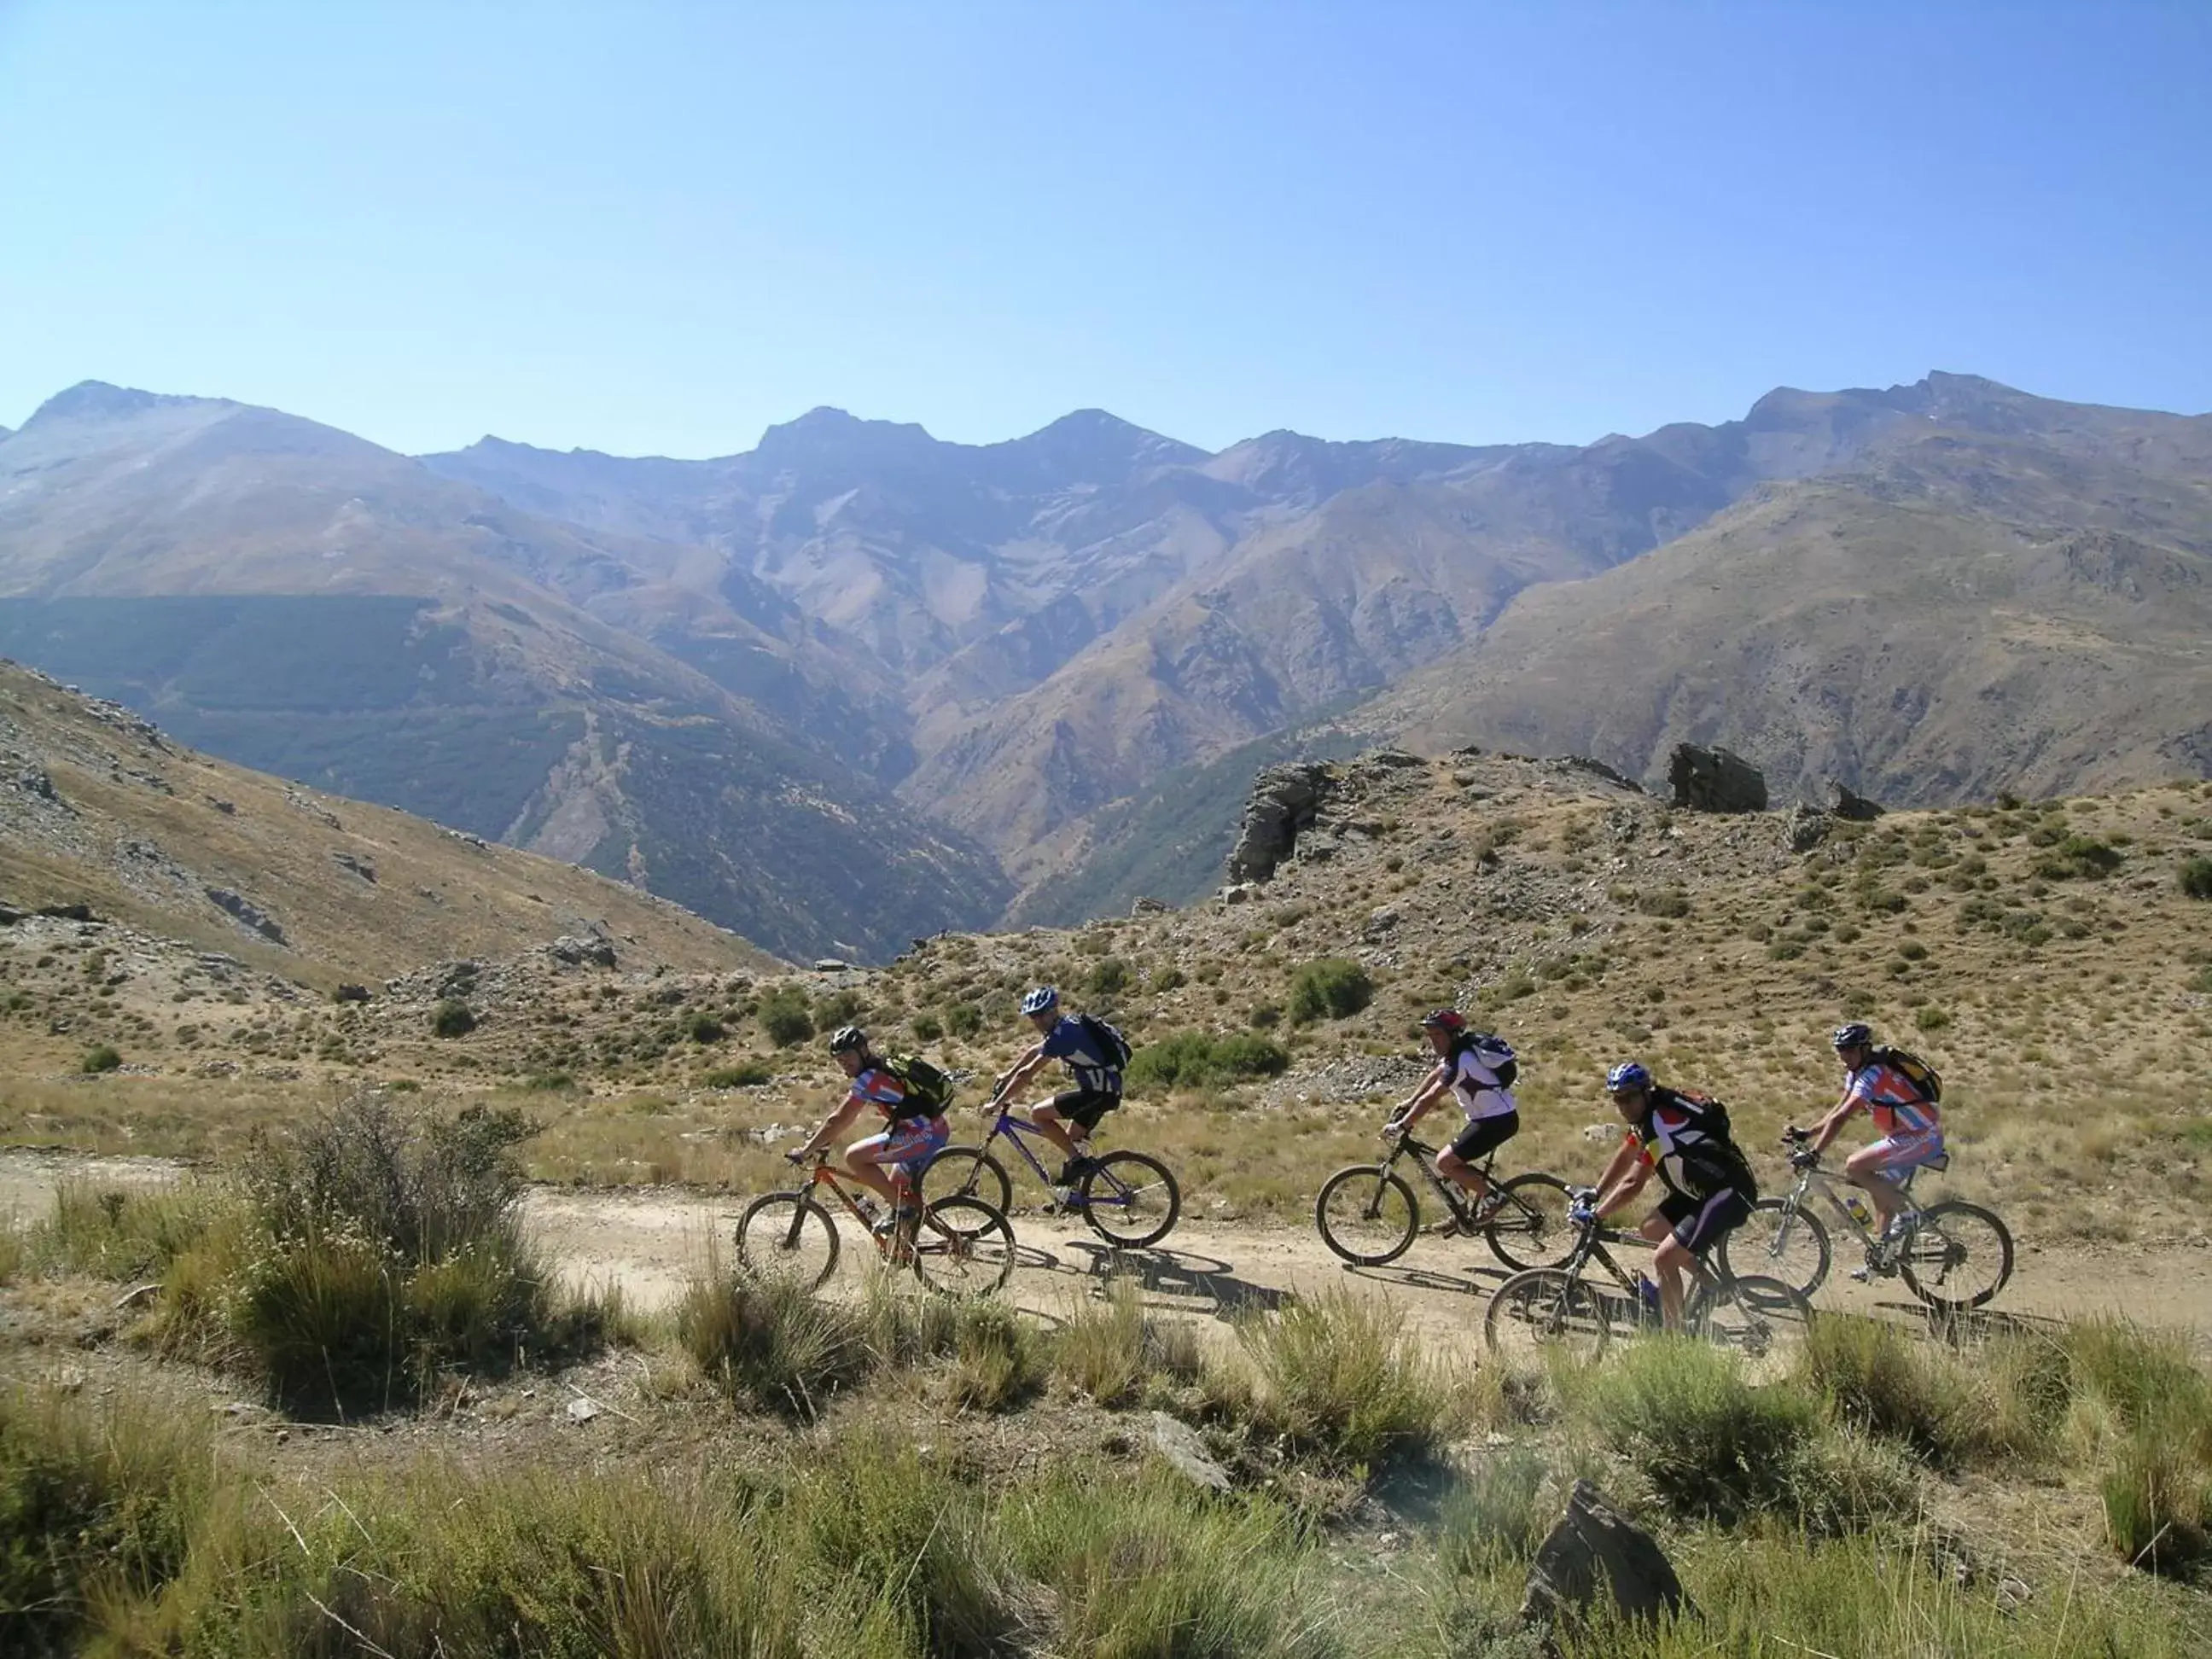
(1092,1064)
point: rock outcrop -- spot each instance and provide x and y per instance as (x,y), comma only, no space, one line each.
(1595,1550)
(1715,781)
(1284,800)
(1853,805)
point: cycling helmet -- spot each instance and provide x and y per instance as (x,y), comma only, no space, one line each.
(1042,1000)
(1853,1035)
(1628,1077)
(848,1040)
(1444,1019)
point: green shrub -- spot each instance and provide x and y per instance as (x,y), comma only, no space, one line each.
(549,1083)
(1169,979)
(704,1028)
(995,1362)
(1711,1445)
(1497,1516)
(838,1008)
(2157,1497)
(927,1027)
(963,1019)
(1109,1350)
(1670,902)
(1264,1015)
(1874,1377)
(126,1233)
(1339,1377)
(746,1075)
(2079,857)
(1110,977)
(2196,878)
(1331,987)
(785,1017)
(770,1341)
(1202,1060)
(100,1057)
(452,1017)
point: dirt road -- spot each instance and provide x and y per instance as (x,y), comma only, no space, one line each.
(650,1242)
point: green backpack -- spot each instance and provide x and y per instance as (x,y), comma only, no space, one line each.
(928,1091)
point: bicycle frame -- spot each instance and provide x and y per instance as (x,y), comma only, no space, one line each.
(1456,1200)
(1813,1179)
(824,1174)
(1020,1131)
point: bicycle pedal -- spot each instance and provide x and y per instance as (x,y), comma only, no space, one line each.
(1442,1229)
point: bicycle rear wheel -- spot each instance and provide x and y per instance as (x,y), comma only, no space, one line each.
(1530,1228)
(1130,1199)
(1780,1242)
(1959,1256)
(1367,1215)
(962,1247)
(788,1233)
(965,1172)
(1759,1317)
(1543,1311)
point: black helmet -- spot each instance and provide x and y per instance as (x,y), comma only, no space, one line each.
(1857,1034)
(848,1040)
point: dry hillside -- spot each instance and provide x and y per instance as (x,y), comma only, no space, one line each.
(2045,955)
(97,808)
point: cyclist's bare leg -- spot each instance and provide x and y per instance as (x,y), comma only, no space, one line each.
(1864,1169)
(1667,1264)
(1463,1174)
(866,1162)
(1047,1118)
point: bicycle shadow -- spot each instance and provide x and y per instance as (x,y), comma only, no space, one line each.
(1182,1279)
(1476,1281)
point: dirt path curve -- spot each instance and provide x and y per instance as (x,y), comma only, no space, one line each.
(651,1241)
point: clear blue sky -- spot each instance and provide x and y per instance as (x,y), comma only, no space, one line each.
(658,229)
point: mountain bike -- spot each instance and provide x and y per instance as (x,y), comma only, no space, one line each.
(1953,1255)
(1368,1214)
(957,1246)
(1130,1198)
(1557,1310)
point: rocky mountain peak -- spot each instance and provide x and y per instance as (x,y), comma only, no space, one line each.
(96,400)
(825,432)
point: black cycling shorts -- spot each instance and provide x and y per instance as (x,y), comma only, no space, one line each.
(1697,1221)
(1483,1136)
(1085,1107)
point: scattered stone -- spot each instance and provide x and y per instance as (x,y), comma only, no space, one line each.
(583,1408)
(247,912)
(579,950)
(1148,907)
(350,994)
(1380,919)
(1807,828)
(354,866)
(2013,1595)
(1595,1550)
(1284,800)
(1391,758)
(1239,892)
(228,809)
(1186,1454)
(138,1293)
(1715,781)
(1601,1132)
(832,965)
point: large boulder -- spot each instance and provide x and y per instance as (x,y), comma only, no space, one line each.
(1595,1550)
(1715,781)
(1852,806)
(1284,801)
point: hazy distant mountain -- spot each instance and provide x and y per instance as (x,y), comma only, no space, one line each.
(1026,637)
(306,602)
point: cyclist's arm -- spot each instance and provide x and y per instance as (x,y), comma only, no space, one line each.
(1023,1068)
(1623,1179)
(1411,1111)
(1832,1125)
(833,1126)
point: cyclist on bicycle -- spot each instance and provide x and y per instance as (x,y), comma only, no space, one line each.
(1912,1129)
(886,1163)
(1477,1069)
(1094,1058)
(1710,1186)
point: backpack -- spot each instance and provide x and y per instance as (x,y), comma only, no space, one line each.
(928,1091)
(1917,1071)
(1495,1053)
(1109,1043)
(1717,1132)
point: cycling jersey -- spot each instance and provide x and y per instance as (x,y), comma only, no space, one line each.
(1095,1073)
(908,1144)
(1897,1107)
(1676,1136)
(1480,1094)
(882,1088)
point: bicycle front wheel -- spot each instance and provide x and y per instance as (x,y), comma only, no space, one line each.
(1530,1228)
(962,1247)
(1367,1215)
(965,1172)
(1959,1256)
(1130,1199)
(1757,1316)
(1543,1311)
(788,1233)
(1782,1242)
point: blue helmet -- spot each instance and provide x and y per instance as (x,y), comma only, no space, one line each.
(1627,1078)
(1042,1000)
(1853,1035)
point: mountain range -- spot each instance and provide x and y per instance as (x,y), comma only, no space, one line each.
(859,683)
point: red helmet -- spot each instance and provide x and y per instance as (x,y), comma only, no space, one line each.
(1444,1019)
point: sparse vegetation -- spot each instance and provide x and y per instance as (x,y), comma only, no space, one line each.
(452,1018)
(1331,988)
(100,1057)
(2196,878)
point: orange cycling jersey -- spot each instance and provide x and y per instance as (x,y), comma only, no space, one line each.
(1897,1107)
